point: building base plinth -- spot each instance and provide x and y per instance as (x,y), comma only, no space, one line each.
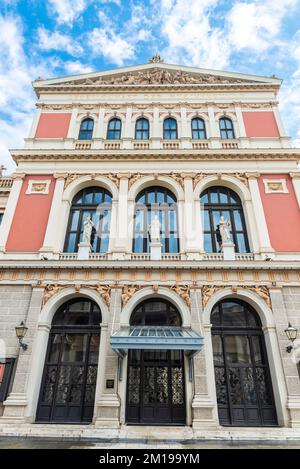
(108,413)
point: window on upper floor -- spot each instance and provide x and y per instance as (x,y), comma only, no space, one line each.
(93,202)
(142,129)
(217,202)
(114,129)
(170,129)
(152,202)
(198,129)
(226,128)
(86,129)
(1,216)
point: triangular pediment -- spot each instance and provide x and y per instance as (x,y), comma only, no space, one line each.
(156,74)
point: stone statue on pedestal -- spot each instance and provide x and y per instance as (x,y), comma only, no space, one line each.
(88,226)
(224,227)
(154,230)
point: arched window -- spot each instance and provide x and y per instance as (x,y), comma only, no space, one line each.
(226,128)
(198,129)
(142,129)
(217,201)
(170,129)
(70,373)
(114,129)
(161,202)
(155,312)
(96,203)
(86,129)
(242,375)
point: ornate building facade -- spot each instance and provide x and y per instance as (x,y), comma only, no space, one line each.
(150,244)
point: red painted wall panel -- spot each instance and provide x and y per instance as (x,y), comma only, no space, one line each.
(282,215)
(30,220)
(260,124)
(53,125)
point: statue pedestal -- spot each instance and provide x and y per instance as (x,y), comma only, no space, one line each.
(155,250)
(228,251)
(84,250)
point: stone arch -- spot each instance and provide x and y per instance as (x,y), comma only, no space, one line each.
(88,181)
(148,181)
(149,293)
(66,294)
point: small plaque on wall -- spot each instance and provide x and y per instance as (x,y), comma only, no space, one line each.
(110,383)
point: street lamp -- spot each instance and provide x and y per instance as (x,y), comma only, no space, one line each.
(21,331)
(291,333)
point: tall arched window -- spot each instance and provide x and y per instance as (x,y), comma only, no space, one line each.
(243,382)
(226,128)
(96,202)
(86,129)
(198,129)
(170,129)
(161,202)
(114,129)
(217,201)
(70,373)
(142,129)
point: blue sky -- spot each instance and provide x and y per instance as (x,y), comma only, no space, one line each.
(63,37)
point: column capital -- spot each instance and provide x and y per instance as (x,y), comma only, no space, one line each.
(17,176)
(253,175)
(60,175)
(123,175)
(295,175)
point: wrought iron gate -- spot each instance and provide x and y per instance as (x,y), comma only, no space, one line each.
(155,387)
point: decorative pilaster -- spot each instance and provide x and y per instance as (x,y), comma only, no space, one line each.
(296,184)
(120,245)
(10,209)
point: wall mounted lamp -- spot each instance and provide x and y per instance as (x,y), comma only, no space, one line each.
(21,331)
(291,333)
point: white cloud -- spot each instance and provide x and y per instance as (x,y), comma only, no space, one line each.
(67,11)
(76,68)
(56,41)
(255,25)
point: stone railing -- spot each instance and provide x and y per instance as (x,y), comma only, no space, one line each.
(171,145)
(199,145)
(247,256)
(112,145)
(141,145)
(228,145)
(6,182)
(73,256)
(83,145)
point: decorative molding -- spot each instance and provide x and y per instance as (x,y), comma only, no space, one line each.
(262,291)
(243,177)
(178,177)
(51,290)
(275,186)
(133,178)
(38,187)
(114,178)
(208,291)
(128,291)
(183,291)
(103,290)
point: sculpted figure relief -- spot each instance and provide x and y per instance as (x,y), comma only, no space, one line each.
(224,227)
(154,230)
(88,227)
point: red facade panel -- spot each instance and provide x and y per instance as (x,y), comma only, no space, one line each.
(30,220)
(53,125)
(260,124)
(282,215)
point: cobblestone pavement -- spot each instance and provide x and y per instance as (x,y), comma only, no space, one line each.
(35,443)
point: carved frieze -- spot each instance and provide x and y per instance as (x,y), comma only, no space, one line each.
(128,291)
(104,291)
(183,291)
(262,291)
(51,290)
(70,178)
(208,291)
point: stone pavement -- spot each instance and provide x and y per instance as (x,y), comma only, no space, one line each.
(35,443)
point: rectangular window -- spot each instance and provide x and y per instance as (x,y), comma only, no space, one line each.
(6,373)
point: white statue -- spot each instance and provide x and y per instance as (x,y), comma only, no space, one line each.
(224,230)
(88,226)
(154,230)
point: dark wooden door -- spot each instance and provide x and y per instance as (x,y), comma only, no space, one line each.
(243,382)
(155,387)
(69,381)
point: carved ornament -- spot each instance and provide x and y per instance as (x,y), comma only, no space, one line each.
(103,290)
(128,291)
(183,291)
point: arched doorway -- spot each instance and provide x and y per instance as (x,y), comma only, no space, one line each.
(68,386)
(243,381)
(155,379)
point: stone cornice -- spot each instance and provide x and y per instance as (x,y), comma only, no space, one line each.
(156,155)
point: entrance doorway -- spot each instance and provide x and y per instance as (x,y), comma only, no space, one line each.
(69,380)
(155,378)
(243,381)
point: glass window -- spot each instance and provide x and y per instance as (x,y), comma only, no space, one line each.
(96,203)
(217,202)
(142,129)
(198,129)
(114,129)
(226,128)
(86,129)
(1,216)
(81,312)
(170,129)
(155,313)
(160,202)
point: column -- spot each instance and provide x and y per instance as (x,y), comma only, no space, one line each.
(99,130)
(260,220)
(128,134)
(10,210)
(107,409)
(73,127)
(34,124)
(16,403)
(122,229)
(50,240)
(185,134)
(204,406)
(296,184)
(156,134)
(286,383)
(214,129)
(193,231)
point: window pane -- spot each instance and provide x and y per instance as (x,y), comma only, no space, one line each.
(75,218)
(74,348)
(104,243)
(223,195)
(54,348)
(217,349)
(237,220)
(138,244)
(206,220)
(214,197)
(71,243)
(207,243)
(173,243)
(241,242)
(257,351)
(233,314)
(237,349)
